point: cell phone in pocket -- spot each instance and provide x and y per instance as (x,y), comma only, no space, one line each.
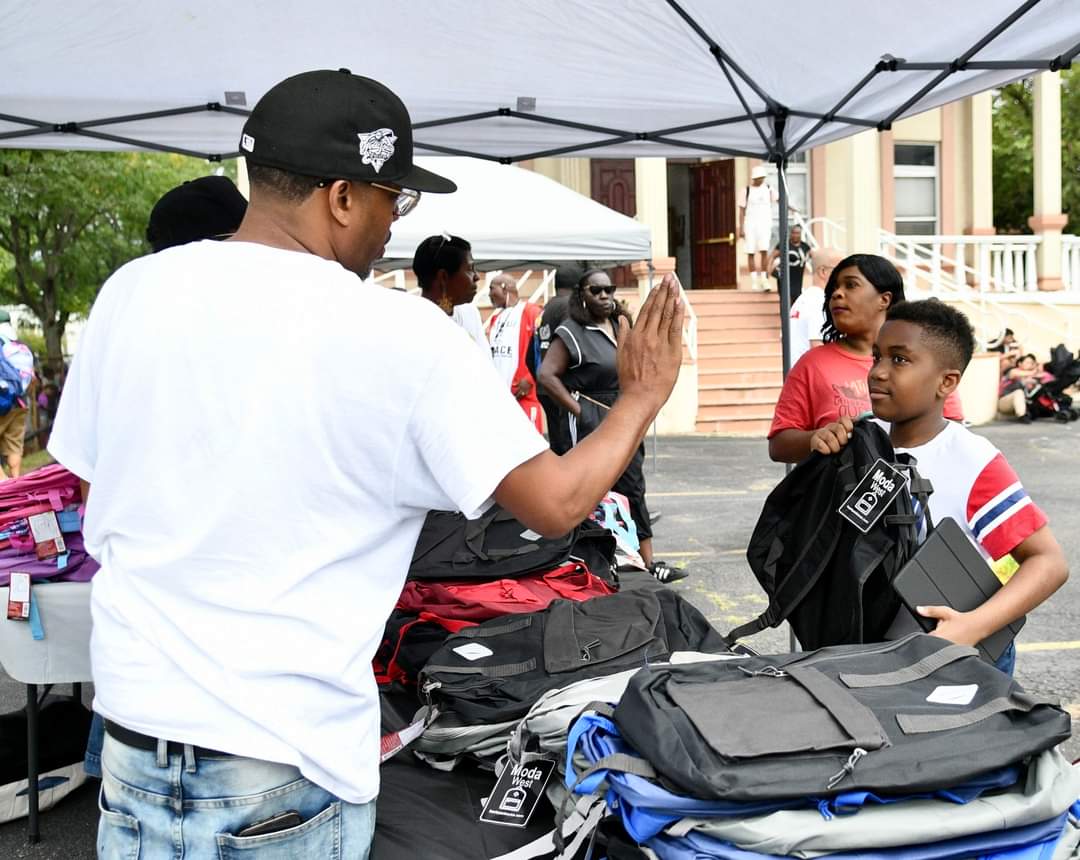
(274,824)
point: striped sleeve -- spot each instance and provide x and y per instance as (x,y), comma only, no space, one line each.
(1000,512)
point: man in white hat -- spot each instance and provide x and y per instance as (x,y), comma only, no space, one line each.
(755,225)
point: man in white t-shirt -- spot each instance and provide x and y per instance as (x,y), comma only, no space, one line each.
(808,310)
(755,225)
(255,499)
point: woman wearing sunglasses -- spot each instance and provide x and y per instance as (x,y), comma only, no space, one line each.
(580,373)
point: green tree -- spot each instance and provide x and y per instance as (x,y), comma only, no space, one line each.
(69,219)
(1014,108)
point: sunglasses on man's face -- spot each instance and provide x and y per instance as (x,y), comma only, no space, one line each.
(601,289)
(405,199)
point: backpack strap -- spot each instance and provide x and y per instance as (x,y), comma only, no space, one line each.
(916,724)
(503,670)
(915,672)
(788,595)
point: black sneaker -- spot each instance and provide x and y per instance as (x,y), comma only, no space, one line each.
(665,573)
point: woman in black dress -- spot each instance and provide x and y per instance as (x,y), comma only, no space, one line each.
(580,373)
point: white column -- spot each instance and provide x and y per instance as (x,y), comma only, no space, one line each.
(1048,220)
(862,194)
(574,173)
(979,110)
(650,183)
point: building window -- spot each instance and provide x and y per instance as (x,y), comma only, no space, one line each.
(915,177)
(798,184)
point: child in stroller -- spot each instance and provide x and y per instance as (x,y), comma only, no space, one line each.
(1047,397)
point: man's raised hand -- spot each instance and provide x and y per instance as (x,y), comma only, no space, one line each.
(650,353)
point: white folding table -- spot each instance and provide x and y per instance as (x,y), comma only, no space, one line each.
(62,657)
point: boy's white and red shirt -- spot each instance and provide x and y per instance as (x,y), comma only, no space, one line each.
(975,485)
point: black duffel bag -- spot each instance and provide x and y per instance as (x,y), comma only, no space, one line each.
(497,545)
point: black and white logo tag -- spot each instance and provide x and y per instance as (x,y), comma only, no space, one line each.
(517,793)
(872,496)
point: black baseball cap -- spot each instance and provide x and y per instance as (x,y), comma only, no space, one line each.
(209,207)
(337,125)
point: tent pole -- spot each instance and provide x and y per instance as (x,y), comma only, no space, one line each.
(784,245)
(652,270)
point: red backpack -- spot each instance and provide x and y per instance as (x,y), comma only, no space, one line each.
(468,600)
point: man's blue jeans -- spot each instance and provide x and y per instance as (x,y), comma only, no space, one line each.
(156,805)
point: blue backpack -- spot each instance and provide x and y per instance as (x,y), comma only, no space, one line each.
(13,383)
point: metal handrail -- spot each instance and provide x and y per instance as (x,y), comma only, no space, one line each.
(957,288)
(545,290)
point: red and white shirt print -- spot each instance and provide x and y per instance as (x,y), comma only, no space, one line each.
(975,485)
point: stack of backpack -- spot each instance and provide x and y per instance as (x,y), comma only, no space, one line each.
(912,748)
(485,680)
(51,490)
(63,722)
(465,572)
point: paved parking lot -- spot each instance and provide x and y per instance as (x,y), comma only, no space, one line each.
(709,492)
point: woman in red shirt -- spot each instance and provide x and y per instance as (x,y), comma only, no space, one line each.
(829,382)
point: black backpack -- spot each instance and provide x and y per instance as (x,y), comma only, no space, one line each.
(831,581)
(496,671)
(845,718)
(497,545)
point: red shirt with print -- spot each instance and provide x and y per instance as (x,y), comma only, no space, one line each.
(828,383)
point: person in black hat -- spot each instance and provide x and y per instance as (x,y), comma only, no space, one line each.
(209,207)
(253,545)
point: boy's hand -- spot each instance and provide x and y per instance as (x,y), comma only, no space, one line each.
(832,437)
(953,625)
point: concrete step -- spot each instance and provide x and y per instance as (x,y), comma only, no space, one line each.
(766,375)
(753,427)
(752,347)
(715,316)
(739,334)
(703,297)
(729,411)
(725,363)
(731,395)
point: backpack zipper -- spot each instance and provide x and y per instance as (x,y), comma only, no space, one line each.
(586,650)
(847,769)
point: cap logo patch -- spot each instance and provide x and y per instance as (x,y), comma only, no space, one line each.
(377,147)
(247,142)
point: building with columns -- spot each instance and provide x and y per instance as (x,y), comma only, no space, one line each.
(930,176)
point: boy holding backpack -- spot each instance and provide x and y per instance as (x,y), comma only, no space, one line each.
(919,356)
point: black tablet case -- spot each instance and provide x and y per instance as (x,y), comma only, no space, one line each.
(948,571)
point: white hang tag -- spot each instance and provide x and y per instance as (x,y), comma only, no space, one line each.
(961,694)
(473,651)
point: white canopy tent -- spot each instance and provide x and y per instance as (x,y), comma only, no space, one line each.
(510,80)
(514,216)
(514,79)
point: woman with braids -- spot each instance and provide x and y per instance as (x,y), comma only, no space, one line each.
(580,373)
(828,384)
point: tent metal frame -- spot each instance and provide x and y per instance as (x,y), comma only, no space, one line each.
(769,123)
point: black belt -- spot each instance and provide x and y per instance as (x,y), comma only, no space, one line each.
(145,742)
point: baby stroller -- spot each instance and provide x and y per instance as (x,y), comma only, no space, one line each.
(1048,399)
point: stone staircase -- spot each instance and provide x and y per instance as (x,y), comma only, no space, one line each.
(739,360)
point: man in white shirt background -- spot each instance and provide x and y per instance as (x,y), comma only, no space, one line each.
(252,547)
(808,310)
(755,225)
